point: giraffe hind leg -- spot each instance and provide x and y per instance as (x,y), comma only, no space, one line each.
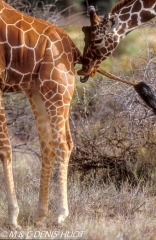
(13,209)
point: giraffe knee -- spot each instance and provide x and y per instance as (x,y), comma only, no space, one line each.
(5,154)
(69,141)
(70,145)
(65,143)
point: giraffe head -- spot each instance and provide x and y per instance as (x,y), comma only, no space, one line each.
(98,41)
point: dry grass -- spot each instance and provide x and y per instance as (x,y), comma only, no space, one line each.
(101,210)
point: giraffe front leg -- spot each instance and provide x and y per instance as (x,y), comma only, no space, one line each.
(56,95)
(63,211)
(55,142)
(47,154)
(60,148)
(66,147)
(6,158)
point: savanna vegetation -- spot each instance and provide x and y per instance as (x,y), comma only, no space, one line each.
(112,171)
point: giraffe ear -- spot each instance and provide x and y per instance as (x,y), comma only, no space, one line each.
(114,21)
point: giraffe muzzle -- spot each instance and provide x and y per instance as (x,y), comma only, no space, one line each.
(86,71)
(84,79)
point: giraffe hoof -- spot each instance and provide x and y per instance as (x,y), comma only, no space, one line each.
(40,215)
(14,226)
(62,216)
(38,219)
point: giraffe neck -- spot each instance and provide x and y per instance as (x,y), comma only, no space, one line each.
(105,33)
(130,17)
(134,15)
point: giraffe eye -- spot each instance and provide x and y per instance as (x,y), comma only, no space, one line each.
(98,41)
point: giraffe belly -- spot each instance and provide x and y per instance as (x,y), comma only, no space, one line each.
(17,82)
